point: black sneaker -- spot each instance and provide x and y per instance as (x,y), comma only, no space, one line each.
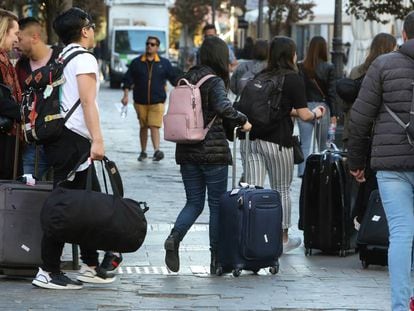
(58,280)
(111,262)
(158,155)
(142,156)
(172,258)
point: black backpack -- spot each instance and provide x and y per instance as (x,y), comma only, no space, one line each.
(261,97)
(41,106)
(348,89)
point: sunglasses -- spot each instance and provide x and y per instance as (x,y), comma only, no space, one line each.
(151,44)
(91,25)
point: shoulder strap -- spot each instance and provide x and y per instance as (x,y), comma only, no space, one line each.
(72,110)
(204,79)
(65,62)
(318,87)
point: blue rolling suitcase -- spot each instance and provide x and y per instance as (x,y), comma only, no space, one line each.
(250,228)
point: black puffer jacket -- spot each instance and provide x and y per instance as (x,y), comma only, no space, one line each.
(325,77)
(388,80)
(214,149)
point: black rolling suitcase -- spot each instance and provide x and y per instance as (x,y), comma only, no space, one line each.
(372,238)
(250,228)
(20,230)
(325,203)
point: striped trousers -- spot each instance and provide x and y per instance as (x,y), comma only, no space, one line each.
(277,162)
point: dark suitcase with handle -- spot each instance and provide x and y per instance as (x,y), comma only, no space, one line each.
(250,228)
(372,238)
(325,203)
(20,230)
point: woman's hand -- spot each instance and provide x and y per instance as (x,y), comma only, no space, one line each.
(246,127)
(319,112)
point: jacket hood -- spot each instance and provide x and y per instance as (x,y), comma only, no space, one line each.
(408,48)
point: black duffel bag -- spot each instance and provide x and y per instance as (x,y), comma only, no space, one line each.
(95,220)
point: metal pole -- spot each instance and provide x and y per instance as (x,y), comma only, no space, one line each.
(338,54)
(260,20)
(213,12)
(338,60)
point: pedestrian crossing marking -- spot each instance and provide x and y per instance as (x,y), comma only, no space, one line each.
(189,270)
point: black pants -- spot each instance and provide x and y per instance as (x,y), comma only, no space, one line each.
(63,155)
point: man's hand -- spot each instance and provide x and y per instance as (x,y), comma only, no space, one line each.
(359,175)
(124,100)
(97,150)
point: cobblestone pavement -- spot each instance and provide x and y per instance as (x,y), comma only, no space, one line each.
(319,282)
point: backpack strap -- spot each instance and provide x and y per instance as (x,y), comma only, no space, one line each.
(399,121)
(199,83)
(65,62)
(204,79)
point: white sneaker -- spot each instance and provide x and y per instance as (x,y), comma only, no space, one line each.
(95,275)
(58,280)
(291,244)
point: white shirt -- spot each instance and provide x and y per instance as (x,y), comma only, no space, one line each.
(84,63)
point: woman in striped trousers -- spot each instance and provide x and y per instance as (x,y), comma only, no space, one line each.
(271,145)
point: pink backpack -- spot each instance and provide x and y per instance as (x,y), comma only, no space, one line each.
(184,122)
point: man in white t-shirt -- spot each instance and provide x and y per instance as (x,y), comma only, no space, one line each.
(81,135)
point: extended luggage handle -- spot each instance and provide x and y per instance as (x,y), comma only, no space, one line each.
(247,139)
(319,127)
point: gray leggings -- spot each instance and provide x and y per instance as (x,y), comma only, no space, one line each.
(277,162)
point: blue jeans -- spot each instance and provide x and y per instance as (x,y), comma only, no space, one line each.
(306,129)
(197,179)
(29,158)
(397,195)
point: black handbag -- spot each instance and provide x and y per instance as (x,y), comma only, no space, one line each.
(6,124)
(95,220)
(298,156)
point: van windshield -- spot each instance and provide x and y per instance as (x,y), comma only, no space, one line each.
(133,41)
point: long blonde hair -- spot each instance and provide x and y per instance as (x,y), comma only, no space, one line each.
(6,23)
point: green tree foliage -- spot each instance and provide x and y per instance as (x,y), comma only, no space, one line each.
(283,14)
(190,13)
(373,9)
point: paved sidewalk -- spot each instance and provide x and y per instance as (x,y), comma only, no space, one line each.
(319,282)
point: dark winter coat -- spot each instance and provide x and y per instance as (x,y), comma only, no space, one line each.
(149,78)
(389,80)
(214,149)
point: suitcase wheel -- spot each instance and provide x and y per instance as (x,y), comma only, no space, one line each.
(308,251)
(365,264)
(236,272)
(219,271)
(274,269)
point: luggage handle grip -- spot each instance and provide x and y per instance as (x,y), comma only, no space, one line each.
(247,139)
